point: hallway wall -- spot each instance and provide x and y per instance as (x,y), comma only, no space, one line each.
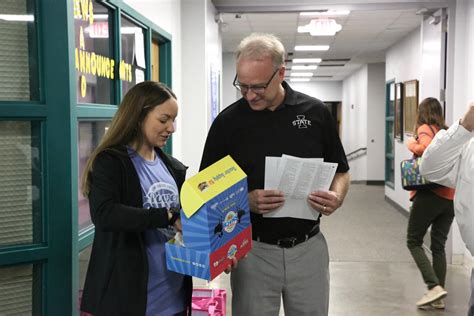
(403,62)
(168,17)
(363,119)
(354,120)
(376,122)
(229,92)
(325,91)
(197,61)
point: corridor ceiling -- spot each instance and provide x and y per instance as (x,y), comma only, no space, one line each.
(367,32)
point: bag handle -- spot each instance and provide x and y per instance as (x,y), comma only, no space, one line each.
(432,131)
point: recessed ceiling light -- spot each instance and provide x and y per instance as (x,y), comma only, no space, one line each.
(101,16)
(311,47)
(301,74)
(301,67)
(326,13)
(299,79)
(306,60)
(17,17)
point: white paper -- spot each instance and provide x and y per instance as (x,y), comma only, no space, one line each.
(271,169)
(140,48)
(139,75)
(297,178)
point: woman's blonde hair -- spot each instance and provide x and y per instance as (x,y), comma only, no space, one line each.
(126,124)
(430,112)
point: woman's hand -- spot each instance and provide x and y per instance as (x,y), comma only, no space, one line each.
(178,226)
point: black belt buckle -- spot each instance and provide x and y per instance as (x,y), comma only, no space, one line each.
(289,242)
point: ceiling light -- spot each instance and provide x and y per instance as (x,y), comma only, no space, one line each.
(301,67)
(320,27)
(101,16)
(311,47)
(299,79)
(130,29)
(306,60)
(301,74)
(326,13)
(17,17)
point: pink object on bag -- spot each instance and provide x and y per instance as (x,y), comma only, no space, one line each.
(209,302)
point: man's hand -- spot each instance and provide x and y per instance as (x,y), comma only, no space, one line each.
(265,201)
(232,266)
(325,202)
(468,119)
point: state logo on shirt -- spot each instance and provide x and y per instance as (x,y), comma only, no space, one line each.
(301,122)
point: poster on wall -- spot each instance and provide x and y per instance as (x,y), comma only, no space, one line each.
(93,53)
(410,105)
(214,93)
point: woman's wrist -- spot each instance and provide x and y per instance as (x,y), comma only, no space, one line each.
(173,215)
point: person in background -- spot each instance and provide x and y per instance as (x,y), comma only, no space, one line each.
(449,160)
(289,260)
(431,207)
(133,190)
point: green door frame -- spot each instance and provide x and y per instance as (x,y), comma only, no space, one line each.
(58,112)
(389,155)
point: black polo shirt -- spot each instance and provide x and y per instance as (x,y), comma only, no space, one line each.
(301,126)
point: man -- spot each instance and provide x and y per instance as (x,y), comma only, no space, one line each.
(449,160)
(289,259)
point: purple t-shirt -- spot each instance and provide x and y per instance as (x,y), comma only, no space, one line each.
(166,295)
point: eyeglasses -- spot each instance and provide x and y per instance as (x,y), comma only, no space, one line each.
(257,89)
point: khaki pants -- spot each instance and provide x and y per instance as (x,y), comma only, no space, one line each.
(298,275)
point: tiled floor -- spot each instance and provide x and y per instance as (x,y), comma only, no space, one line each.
(372,273)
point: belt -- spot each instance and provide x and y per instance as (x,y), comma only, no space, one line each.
(288,242)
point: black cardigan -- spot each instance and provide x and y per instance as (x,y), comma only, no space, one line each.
(117,277)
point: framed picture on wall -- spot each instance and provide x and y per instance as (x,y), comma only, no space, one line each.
(398,109)
(410,105)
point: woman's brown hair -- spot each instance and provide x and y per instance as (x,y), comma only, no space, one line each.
(125,127)
(430,112)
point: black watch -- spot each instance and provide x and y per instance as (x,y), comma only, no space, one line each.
(174,215)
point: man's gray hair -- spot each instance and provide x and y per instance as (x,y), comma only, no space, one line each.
(260,45)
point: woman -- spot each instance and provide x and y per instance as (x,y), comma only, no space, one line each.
(133,190)
(430,208)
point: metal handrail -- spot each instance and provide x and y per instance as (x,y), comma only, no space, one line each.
(349,156)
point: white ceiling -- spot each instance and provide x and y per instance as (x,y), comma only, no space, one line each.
(367,32)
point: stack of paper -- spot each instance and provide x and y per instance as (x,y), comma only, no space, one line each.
(296,178)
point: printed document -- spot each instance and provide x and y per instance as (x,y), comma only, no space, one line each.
(296,178)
